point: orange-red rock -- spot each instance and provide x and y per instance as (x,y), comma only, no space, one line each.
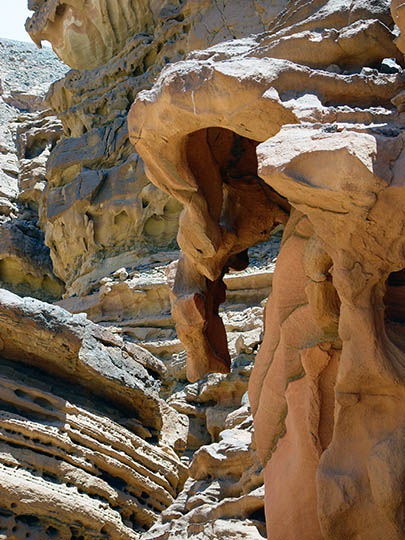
(325,148)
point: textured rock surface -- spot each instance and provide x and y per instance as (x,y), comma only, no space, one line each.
(107,430)
(27,133)
(224,496)
(88,36)
(115,271)
(86,444)
(99,206)
(293,130)
(371,333)
(327,462)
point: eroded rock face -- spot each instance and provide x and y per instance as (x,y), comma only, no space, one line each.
(90,448)
(27,133)
(87,36)
(369,376)
(332,150)
(86,445)
(99,205)
(224,496)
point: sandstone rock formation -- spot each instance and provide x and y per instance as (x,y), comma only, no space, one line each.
(45,457)
(87,446)
(86,37)
(111,235)
(310,91)
(224,496)
(290,131)
(100,211)
(104,371)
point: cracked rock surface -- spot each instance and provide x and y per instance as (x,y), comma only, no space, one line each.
(27,133)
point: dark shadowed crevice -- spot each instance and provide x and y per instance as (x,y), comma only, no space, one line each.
(394,298)
(394,318)
(224,165)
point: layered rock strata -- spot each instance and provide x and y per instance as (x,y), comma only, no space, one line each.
(335,319)
(227,135)
(229,502)
(87,446)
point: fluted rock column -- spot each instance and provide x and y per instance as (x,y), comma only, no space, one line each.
(349,184)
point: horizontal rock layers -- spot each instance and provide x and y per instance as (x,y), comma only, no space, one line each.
(87,446)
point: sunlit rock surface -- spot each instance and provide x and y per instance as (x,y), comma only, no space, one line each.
(99,204)
(307,112)
(287,130)
(27,133)
(87,445)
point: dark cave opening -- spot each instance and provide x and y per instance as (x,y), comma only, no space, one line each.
(394,298)
(225,167)
(394,311)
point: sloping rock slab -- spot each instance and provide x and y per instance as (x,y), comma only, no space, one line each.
(75,349)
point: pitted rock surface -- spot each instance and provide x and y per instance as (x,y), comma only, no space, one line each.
(87,447)
(100,205)
(27,133)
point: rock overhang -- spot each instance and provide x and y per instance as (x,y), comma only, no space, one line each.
(243,89)
(82,353)
(329,140)
(85,36)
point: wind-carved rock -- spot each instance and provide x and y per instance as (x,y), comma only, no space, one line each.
(99,205)
(230,209)
(26,135)
(87,447)
(86,35)
(327,388)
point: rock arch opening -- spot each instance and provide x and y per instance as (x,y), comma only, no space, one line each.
(232,210)
(224,165)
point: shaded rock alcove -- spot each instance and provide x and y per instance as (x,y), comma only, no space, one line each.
(238,210)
